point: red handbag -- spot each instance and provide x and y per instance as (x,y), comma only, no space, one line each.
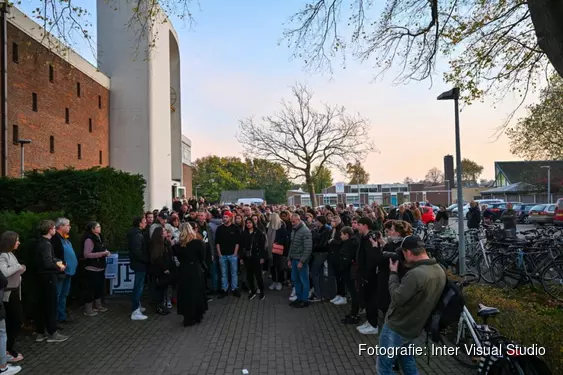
(277,249)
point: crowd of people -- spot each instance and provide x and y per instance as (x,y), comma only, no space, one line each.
(195,252)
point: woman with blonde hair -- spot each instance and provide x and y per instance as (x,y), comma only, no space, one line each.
(277,249)
(190,251)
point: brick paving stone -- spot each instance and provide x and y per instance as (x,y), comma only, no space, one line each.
(263,337)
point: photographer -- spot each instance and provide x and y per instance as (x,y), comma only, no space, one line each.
(368,257)
(412,300)
(350,244)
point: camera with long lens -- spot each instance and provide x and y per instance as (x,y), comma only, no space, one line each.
(396,256)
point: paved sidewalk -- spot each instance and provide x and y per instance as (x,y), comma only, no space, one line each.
(263,337)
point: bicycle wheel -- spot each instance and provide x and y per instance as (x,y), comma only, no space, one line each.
(472,267)
(505,271)
(484,268)
(551,279)
(458,336)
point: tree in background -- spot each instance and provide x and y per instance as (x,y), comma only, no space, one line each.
(214,174)
(470,171)
(322,178)
(356,173)
(434,176)
(301,137)
(492,47)
(408,180)
(539,135)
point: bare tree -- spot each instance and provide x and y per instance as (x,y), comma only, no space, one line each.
(493,47)
(408,180)
(434,176)
(301,137)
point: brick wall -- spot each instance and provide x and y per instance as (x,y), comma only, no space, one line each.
(31,74)
(187,179)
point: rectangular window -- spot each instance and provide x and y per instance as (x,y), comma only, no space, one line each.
(67,116)
(101,159)
(90,125)
(15,53)
(79,151)
(34,102)
(52,144)
(99,101)
(15,134)
(51,73)
(78,89)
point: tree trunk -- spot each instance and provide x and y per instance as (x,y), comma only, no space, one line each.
(311,186)
(547,17)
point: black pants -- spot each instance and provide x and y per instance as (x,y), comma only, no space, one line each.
(351,286)
(96,281)
(369,292)
(277,269)
(254,273)
(46,319)
(339,277)
(14,315)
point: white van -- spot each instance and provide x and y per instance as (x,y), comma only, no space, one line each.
(250,201)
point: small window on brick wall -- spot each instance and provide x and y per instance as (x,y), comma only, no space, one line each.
(52,144)
(51,73)
(79,151)
(15,134)
(78,89)
(15,53)
(67,116)
(90,125)
(101,158)
(34,102)
(100,101)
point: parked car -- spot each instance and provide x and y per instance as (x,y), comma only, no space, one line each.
(522,211)
(542,214)
(558,218)
(428,215)
(498,208)
(480,202)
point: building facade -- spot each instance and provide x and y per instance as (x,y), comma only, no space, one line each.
(76,116)
(187,166)
(57,100)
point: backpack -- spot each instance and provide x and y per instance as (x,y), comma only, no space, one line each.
(447,311)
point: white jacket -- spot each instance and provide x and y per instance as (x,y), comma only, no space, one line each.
(9,265)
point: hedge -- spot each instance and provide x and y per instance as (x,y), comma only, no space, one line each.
(526,316)
(25,224)
(106,195)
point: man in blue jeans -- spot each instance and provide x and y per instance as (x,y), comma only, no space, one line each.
(139,262)
(227,240)
(413,298)
(300,249)
(63,250)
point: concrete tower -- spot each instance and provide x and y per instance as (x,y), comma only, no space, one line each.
(145,97)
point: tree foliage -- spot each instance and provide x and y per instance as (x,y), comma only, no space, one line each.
(408,180)
(356,173)
(491,46)
(539,135)
(214,174)
(322,178)
(301,137)
(470,171)
(434,176)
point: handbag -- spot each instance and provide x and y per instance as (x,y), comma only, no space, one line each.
(277,249)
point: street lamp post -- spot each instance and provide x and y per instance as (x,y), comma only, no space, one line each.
(22,143)
(453,94)
(548,167)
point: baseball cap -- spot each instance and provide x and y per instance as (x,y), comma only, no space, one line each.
(163,215)
(411,243)
(228,213)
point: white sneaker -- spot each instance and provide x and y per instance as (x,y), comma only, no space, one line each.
(273,286)
(169,304)
(138,315)
(366,323)
(369,330)
(142,309)
(293,294)
(341,301)
(311,293)
(279,286)
(9,370)
(335,299)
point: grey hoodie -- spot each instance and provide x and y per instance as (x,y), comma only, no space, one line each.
(213,225)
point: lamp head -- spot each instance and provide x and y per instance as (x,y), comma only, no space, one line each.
(24,141)
(453,94)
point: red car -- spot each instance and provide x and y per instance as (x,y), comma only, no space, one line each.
(427,215)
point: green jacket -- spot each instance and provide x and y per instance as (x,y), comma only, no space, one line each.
(301,245)
(414,297)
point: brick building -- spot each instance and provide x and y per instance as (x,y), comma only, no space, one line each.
(59,102)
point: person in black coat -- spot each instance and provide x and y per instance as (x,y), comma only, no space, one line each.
(334,245)
(473,216)
(139,263)
(253,254)
(350,244)
(321,235)
(161,267)
(190,252)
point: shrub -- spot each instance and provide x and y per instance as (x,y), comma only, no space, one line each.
(25,224)
(526,317)
(106,195)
